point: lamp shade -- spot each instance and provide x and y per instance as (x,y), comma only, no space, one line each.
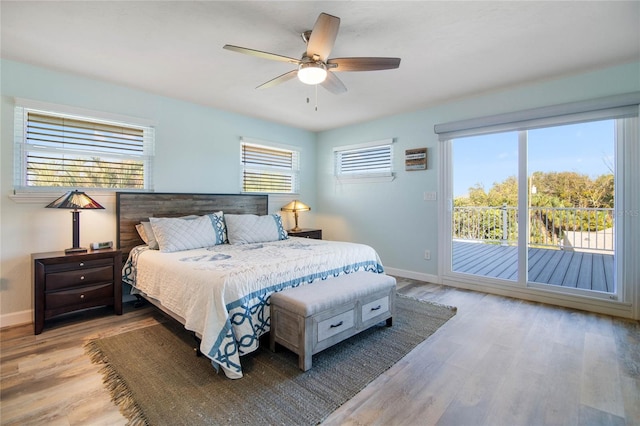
(296,206)
(75,200)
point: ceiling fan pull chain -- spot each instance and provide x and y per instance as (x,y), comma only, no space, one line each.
(316,97)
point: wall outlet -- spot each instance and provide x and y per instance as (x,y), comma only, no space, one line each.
(427,255)
(430,196)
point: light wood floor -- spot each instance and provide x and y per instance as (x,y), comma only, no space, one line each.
(499,361)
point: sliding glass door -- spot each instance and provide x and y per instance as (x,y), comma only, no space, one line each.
(535,207)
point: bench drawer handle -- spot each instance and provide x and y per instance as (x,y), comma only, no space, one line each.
(336,325)
(376,308)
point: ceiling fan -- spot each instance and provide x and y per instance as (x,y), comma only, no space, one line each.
(315,67)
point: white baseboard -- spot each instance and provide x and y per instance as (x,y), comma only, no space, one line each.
(16,318)
(534,295)
(420,276)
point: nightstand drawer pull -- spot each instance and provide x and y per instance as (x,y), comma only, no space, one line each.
(82,296)
(376,308)
(336,325)
(82,278)
(81,263)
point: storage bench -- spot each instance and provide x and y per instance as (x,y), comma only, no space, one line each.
(312,317)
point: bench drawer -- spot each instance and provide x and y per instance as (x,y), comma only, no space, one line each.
(379,307)
(336,324)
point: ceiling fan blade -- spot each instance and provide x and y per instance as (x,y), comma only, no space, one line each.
(323,36)
(362,64)
(279,79)
(333,84)
(260,54)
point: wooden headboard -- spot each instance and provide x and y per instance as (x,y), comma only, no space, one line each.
(134,207)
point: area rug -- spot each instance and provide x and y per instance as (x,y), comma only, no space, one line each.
(156,379)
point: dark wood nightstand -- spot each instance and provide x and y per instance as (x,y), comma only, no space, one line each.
(307,233)
(67,283)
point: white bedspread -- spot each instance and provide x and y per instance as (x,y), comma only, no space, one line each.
(223,292)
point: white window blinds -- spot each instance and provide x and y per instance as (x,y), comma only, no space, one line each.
(373,159)
(269,169)
(56,150)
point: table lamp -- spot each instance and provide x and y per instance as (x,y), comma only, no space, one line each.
(296,206)
(75,200)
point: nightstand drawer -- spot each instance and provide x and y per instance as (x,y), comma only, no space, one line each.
(78,277)
(78,265)
(80,297)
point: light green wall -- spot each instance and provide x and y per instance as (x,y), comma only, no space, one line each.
(197,150)
(393,216)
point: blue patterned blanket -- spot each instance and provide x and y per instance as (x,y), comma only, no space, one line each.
(222,292)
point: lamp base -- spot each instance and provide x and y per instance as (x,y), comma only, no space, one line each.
(75,250)
(296,229)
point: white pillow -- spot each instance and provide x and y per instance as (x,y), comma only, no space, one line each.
(146,233)
(177,234)
(249,228)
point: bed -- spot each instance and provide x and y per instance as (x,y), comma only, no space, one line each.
(219,288)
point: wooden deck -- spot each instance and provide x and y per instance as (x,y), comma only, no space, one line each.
(591,271)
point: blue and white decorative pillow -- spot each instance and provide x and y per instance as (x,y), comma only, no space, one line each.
(250,228)
(217,220)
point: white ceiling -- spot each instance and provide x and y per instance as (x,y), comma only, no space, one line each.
(449,49)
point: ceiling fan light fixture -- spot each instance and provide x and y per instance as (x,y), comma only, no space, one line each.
(312,72)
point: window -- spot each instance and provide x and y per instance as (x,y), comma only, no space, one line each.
(373,159)
(56,150)
(269,168)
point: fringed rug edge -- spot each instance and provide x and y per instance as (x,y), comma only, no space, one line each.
(117,387)
(453,309)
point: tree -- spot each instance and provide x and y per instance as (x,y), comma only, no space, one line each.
(553,189)
(560,202)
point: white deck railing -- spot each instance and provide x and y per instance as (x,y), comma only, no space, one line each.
(564,228)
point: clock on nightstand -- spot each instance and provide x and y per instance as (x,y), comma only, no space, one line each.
(71,282)
(307,233)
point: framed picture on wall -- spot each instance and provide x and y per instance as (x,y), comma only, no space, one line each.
(415,159)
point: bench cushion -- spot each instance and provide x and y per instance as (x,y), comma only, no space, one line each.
(320,296)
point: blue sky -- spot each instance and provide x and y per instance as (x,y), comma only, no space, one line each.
(586,148)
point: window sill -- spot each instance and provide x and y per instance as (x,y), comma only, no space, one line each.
(48,197)
(365,179)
